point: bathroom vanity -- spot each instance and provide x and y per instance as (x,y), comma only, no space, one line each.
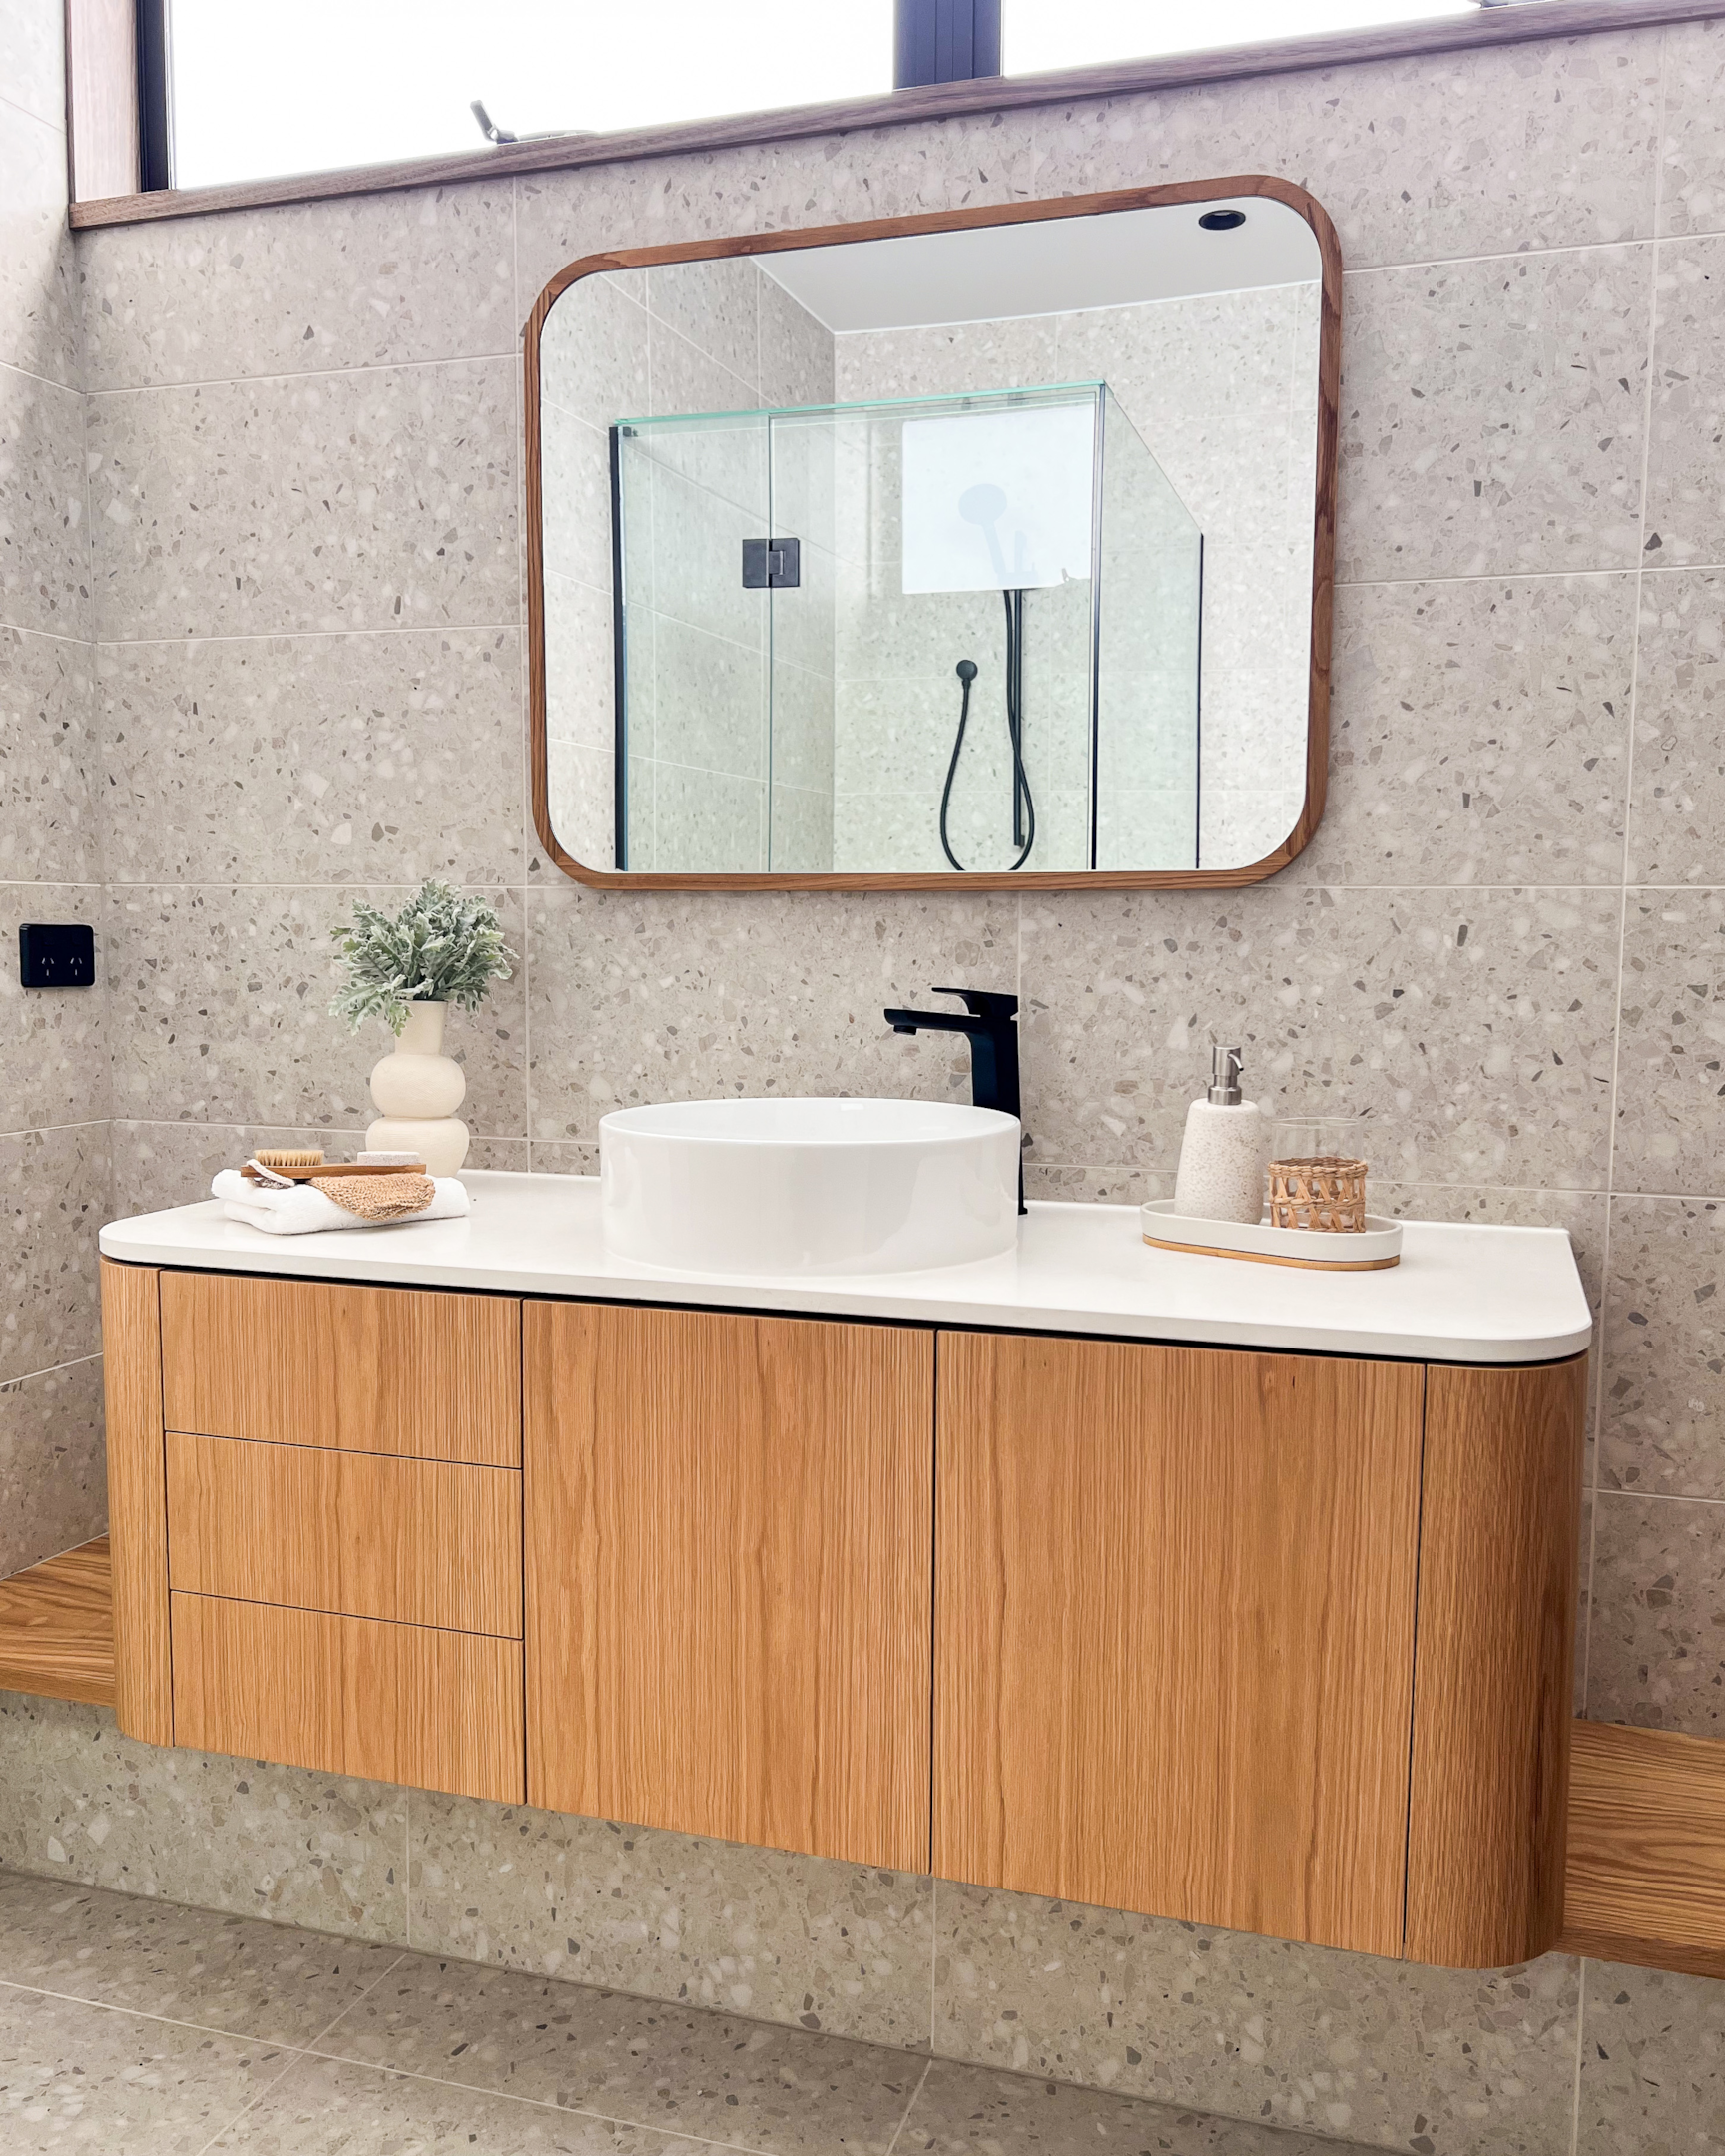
(1217,1591)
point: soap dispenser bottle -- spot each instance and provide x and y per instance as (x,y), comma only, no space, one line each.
(1225,1150)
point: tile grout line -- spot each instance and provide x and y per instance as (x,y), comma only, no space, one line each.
(337,373)
(1597,1372)
(910,2105)
(1580,2054)
(296,2057)
(50,1370)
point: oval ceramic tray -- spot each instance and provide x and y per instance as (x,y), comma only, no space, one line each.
(1377,1246)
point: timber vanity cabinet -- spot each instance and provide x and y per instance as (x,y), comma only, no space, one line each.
(1273,1641)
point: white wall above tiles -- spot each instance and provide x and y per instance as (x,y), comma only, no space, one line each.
(1507,940)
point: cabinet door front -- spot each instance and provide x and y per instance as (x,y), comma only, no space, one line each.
(1175,1644)
(728,1558)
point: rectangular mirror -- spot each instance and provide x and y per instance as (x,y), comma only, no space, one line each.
(991,545)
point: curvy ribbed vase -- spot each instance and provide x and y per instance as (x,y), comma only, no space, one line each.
(419,1088)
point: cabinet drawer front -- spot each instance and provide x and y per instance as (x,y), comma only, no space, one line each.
(1174,1646)
(419,1372)
(355,1533)
(344,1695)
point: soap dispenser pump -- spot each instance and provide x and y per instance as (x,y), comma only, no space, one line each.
(1225,1150)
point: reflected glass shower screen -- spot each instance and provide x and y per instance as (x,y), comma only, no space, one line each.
(793,710)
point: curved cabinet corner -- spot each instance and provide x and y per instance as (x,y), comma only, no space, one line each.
(1493,1697)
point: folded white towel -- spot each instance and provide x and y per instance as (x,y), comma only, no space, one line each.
(302,1210)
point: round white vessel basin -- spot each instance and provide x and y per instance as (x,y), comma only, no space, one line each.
(809,1186)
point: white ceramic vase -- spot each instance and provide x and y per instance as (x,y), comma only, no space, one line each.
(419,1089)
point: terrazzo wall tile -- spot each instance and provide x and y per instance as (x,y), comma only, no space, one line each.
(1685,506)
(1491,416)
(44,543)
(1456,2063)
(1692,143)
(1678,816)
(1669,1113)
(371,281)
(1663,1350)
(1652,2063)
(53,1198)
(1479,733)
(32,35)
(223,998)
(1427,160)
(1656,1656)
(775,1936)
(383,499)
(657,997)
(85,1803)
(1476,1027)
(37,323)
(390,758)
(53,1474)
(46,761)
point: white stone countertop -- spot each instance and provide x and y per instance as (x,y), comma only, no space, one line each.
(1461,1294)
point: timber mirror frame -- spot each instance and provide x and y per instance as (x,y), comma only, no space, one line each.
(1074,205)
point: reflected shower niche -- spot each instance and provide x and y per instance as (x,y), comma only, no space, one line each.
(960,633)
(995,548)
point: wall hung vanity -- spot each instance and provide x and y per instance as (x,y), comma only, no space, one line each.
(994,543)
(1219,1592)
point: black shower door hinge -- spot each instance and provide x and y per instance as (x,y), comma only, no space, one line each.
(772,564)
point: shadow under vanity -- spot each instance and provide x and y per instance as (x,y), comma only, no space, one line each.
(1222,1593)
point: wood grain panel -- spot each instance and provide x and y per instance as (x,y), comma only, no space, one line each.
(409,1541)
(137,1501)
(1499,1532)
(57,1627)
(728,1576)
(1175,1631)
(416,1372)
(1645,1875)
(1325,406)
(344,1695)
(102,97)
(933,101)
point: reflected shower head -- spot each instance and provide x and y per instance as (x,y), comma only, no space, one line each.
(982,504)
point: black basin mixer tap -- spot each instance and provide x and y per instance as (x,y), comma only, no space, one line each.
(992,1023)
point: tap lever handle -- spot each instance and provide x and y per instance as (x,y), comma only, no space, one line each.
(985,1002)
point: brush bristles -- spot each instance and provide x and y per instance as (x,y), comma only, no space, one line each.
(288,1156)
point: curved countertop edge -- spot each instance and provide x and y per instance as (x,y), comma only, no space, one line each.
(1463,1293)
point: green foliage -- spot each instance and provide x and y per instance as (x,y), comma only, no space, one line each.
(444,946)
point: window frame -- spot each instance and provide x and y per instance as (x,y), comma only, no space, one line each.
(118,97)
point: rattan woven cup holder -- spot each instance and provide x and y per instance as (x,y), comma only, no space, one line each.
(1325,1195)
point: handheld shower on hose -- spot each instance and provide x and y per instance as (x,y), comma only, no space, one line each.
(984,505)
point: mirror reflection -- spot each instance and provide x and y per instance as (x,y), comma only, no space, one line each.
(972,551)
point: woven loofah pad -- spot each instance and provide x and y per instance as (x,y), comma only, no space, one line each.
(379,1197)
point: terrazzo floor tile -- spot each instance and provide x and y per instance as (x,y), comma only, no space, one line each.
(193,1966)
(963,2110)
(672,2067)
(329,2108)
(78,2077)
